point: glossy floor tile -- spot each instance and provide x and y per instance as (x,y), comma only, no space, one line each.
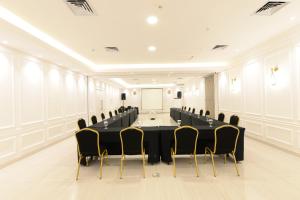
(266,173)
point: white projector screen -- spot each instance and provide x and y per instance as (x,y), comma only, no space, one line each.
(152,99)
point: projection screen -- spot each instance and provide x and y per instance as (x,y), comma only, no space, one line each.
(152,99)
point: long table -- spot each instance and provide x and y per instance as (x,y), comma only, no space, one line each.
(158,139)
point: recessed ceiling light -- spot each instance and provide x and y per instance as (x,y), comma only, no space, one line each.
(292,18)
(151,48)
(4,42)
(152,20)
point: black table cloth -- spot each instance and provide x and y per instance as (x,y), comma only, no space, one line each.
(158,139)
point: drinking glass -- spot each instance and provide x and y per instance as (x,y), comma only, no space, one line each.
(179,122)
(105,124)
(210,121)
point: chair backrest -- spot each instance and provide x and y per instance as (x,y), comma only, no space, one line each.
(132,141)
(186,138)
(234,120)
(201,112)
(226,137)
(120,110)
(94,119)
(184,107)
(110,114)
(221,117)
(116,112)
(189,109)
(207,113)
(137,110)
(193,111)
(81,123)
(88,141)
(102,116)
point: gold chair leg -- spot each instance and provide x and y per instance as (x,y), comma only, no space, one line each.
(213,163)
(225,158)
(78,168)
(121,167)
(144,170)
(196,165)
(174,164)
(101,164)
(236,167)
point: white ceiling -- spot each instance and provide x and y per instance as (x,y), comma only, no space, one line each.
(185,33)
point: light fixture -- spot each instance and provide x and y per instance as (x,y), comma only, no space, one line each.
(152,48)
(4,42)
(234,85)
(127,85)
(292,18)
(152,20)
(273,75)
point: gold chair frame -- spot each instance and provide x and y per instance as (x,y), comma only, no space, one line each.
(213,152)
(123,158)
(174,151)
(104,153)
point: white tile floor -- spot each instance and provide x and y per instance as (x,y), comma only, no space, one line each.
(266,173)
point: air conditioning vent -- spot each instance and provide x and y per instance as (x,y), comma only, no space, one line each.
(112,49)
(271,7)
(80,7)
(220,47)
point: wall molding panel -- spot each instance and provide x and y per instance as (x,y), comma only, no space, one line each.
(35,111)
(270,109)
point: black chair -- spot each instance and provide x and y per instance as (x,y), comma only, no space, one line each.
(207,113)
(185,142)
(132,143)
(225,140)
(189,109)
(81,123)
(137,110)
(234,120)
(221,117)
(116,112)
(88,145)
(94,119)
(110,114)
(102,116)
(120,110)
(193,111)
(184,107)
(201,112)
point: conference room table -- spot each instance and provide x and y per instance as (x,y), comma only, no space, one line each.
(158,139)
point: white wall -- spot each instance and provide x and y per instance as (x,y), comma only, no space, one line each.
(169,95)
(270,113)
(40,104)
(194,94)
(103,97)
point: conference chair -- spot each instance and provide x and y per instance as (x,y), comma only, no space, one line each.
(184,107)
(94,119)
(116,112)
(88,145)
(102,116)
(110,114)
(207,113)
(201,112)
(120,110)
(132,143)
(221,117)
(185,142)
(225,140)
(189,109)
(234,120)
(81,123)
(193,111)
(137,110)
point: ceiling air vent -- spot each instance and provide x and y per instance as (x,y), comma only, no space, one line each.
(220,47)
(271,7)
(80,7)
(112,49)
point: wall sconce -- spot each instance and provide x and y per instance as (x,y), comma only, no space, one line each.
(274,71)
(134,92)
(234,85)
(169,91)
